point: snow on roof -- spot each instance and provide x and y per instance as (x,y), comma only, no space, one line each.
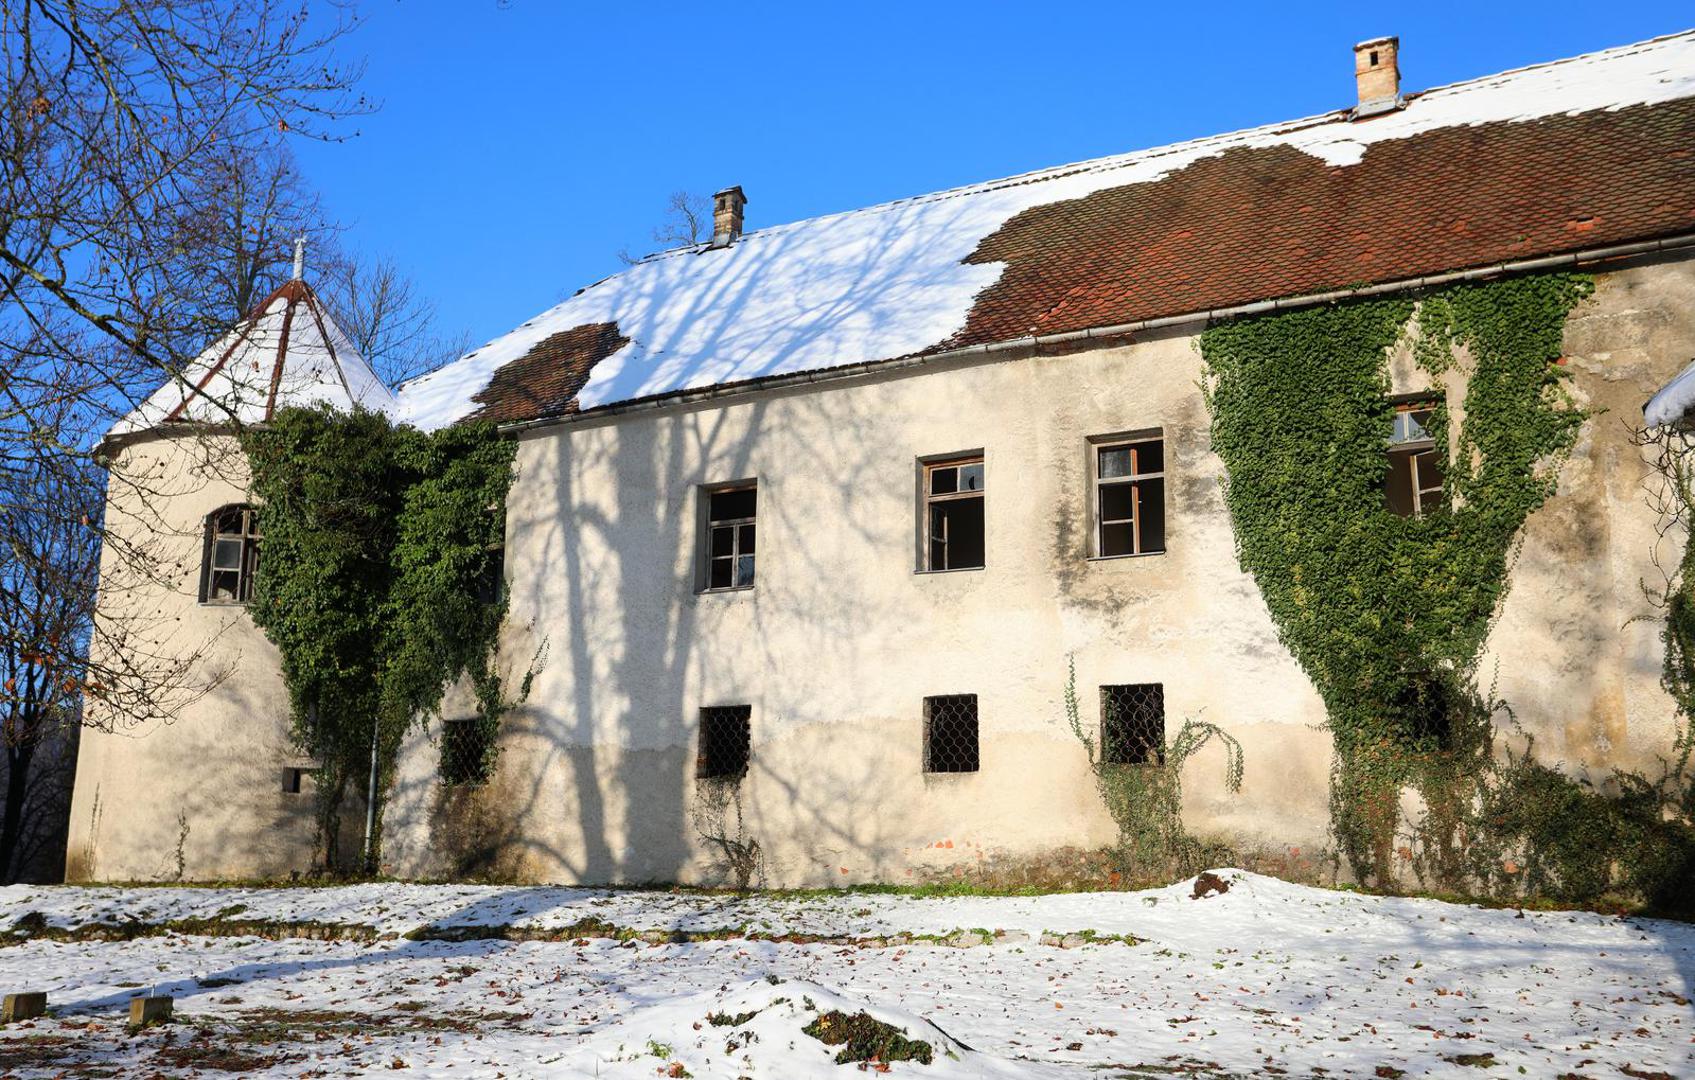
(288,351)
(892,280)
(1674,402)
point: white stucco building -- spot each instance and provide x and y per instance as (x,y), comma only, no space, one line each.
(828,505)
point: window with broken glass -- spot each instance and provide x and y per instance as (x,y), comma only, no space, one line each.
(730,537)
(231,559)
(1413,485)
(1129,497)
(953,514)
(726,742)
(1133,724)
(950,733)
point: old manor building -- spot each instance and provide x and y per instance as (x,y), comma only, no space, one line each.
(809,519)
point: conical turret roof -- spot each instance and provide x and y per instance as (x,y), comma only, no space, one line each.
(288,351)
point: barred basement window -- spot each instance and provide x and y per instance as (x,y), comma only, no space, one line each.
(1129,497)
(726,741)
(231,557)
(953,514)
(1413,486)
(950,733)
(467,756)
(730,528)
(1133,724)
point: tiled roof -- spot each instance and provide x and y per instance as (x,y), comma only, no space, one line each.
(1574,155)
(1270,222)
(544,382)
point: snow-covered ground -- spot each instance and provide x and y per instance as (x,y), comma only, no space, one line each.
(1267,979)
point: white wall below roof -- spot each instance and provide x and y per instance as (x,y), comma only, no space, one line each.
(841,640)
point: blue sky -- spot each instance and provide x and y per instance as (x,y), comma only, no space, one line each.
(518,147)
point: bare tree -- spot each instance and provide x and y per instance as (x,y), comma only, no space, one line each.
(687,222)
(49,554)
(145,181)
(394,328)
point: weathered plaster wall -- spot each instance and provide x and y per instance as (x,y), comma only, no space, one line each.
(212,777)
(841,640)
(1576,651)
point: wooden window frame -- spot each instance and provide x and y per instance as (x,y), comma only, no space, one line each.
(1415,451)
(1099,444)
(928,468)
(734,525)
(246,571)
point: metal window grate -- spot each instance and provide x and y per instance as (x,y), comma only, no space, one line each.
(1133,724)
(726,742)
(950,733)
(467,747)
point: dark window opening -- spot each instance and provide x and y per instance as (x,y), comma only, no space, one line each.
(726,742)
(730,537)
(467,757)
(294,781)
(950,733)
(230,562)
(491,583)
(953,515)
(1413,485)
(1133,724)
(1130,498)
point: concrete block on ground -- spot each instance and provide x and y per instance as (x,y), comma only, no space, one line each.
(26,1006)
(149,1010)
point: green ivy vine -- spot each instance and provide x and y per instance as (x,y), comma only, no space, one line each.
(381,543)
(1387,614)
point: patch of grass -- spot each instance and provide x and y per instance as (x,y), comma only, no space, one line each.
(718,1019)
(863,1037)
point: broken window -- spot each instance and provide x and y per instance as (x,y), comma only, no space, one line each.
(950,733)
(1413,485)
(1129,497)
(726,740)
(231,559)
(467,746)
(953,514)
(1133,724)
(730,536)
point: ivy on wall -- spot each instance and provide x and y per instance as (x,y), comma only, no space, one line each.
(381,543)
(1387,614)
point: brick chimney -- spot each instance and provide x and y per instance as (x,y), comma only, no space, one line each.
(1377,70)
(727,216)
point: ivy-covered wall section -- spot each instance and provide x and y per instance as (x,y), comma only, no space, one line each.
(1388,614)
(379,582)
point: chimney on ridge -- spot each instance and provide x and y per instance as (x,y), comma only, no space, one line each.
(727,216)
(1378,73)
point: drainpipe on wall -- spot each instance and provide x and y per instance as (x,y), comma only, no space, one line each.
(371,805)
